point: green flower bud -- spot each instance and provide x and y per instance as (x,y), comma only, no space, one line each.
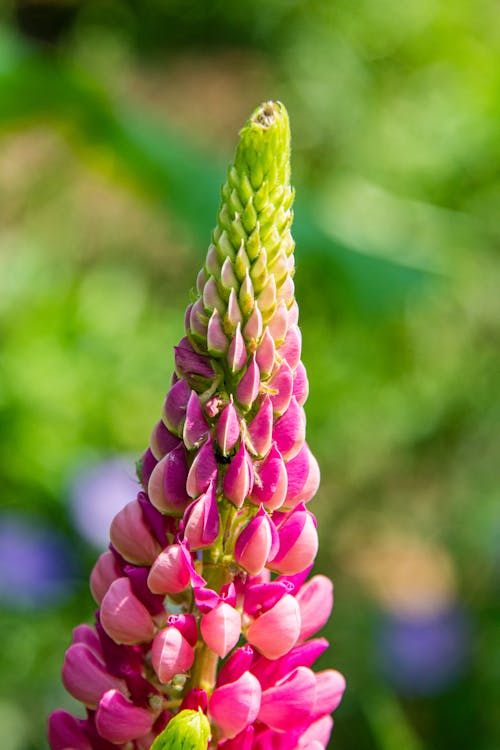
(188,730)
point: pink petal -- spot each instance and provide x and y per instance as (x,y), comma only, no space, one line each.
(85,676)
(282,385)
(288,705)
(217,342)
(298,542)
(271,483)
(132,537)
(279,323)
(171,571)
(249,385)
(289,430)
(227,431)
(257,543)
(124,618)
(202,521)
(238,480)
(260,429)
(162,441)
(300,384)
(119,720)
(196,428)
(174,410)
(330,687)
(266,353)
(104,572)
(235,706)
(303,477)
(315,600)
(319,731)
(290,348)
(221,628)
(239,662)
(167,484)
(276,631)
(186,624)
(171,654)
(67,732)
(203,470)
(237,353)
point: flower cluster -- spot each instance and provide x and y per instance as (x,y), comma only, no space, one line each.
(210,561)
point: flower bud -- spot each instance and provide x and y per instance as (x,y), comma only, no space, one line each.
(227,431)
(315,600)
(173,571)
(105,571)
(289,430)
(221,628)
(279,323)
(201,520)
(119,720)
(247,389)
(85,676)
(276,631)
(239,662)
(131,536)
(124,618)
(257,543)
(196,428)
(237,353)
(66,731)
(188,730)
(291,347)
(167,484)
(171,654)
(194,367)
(303,477)
(236,705)
(186,624)
(271,483)
(300,384)
(238,480)
(174,410)
(298,541)
(260,429)
(217,342)
(281,387)
(266,353)
(203,470)
(162,441)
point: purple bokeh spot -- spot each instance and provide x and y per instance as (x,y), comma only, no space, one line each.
(97,493)
(423,654)
(37,567)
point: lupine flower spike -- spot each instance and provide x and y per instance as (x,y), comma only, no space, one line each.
(202,637)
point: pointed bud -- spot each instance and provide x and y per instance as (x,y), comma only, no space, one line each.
(196,427)
(227,275)
(286,291)
(288,705)
(233,315)
(260,429)
(291,347)
(85,677)
(289,430)
(119,720)
(330,687)
(239,662)
(315,600)
(300,384)
(145,466)
(171,654)
(266,353)
(124,618)
(186,624)
(267,298)
(188,730)
(212,263)
(211,296)
(279,323)
(217,342)
(221,628)
(104,572)
(174,410)
(238,481)
(66,731)
(303,477)
(271,481)
(131,535)
(237,353)
(249,385)
(257,543)
(202,521)
(173,571)
(276,631)
(203,470)
(162,441)
(236,705)
(281,387)
(167,484)
(253,327)
(194,367)
(227,431)
(197,320)
(298,542)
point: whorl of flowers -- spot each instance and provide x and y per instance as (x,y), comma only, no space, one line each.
(210,562)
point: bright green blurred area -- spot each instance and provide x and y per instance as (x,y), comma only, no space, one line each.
(116,122)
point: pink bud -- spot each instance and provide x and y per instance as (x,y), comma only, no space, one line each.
(300,384)
(303,477)
(211,296)
(172,571)
(319,732)
(171,654)
(119,720)
(253,328)
(234,315)
(67,732)
(162,441)
(174,409)
(260,429)
(315,600)
(298,542)
(105,571)
(202,521)
(85,676)
(227,431)
(330,687)
(288,705)
(257,543)
(217,342)
(197,319)
(221,628)
(249,385)
(281,385)
(239,662)
(236,705)
(237,353)
(196,428)
(286,291)
(203,470)
(271,481)
(124,618)
(186,624)
(279,323)
(276,631)
(146,466)
(167,485)
(88,636)
(191,365)
(238,481)
(266,353)
(289,430)
(132,537)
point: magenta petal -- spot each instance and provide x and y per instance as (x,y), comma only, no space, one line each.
(162,440)
(171,571)
(197,319)
(249,385)
(66,731)
(237,353)
(202,521)
(119,720)
(171,654)
(85,676)
(194,700)
(196,428)
(167,485)
(290,430)
(124,618)
(291,347)
(227,431)
(242,741)
(288,705)
(88,635)
(145,467)
(260,429)
(271,482)
(238,480)
(190,364)
(266,353)
(257,543)
(217,342)
(300,384)
(235,706)
(303,477)
(203,470)
(239,662)
(174,410)
(315,600)
(104,572)
(330,687)
(261,597)
(282,385)
(221,628)
(269,671)
(187,626)
(298,542)
(131,535)
(206,599)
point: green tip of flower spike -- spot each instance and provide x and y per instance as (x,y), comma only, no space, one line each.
(263,151)
(188,730)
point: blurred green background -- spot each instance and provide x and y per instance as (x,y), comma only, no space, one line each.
(117,119)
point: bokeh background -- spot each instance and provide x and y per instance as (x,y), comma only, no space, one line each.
(117,119)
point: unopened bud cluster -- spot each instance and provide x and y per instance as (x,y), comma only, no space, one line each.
(210,561)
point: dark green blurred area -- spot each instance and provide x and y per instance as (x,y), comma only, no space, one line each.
(117,119)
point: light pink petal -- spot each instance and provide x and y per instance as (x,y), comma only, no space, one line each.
(171,654)
(330,687)
(266,353)
(260,429)
(104,572)
(276,631)
(124,618)
(221,628)
(235,706)
(300,384)
(217,342)
(303,477)
(119,720)
(247,389)
(131,535)
(237,353)
(281,385)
